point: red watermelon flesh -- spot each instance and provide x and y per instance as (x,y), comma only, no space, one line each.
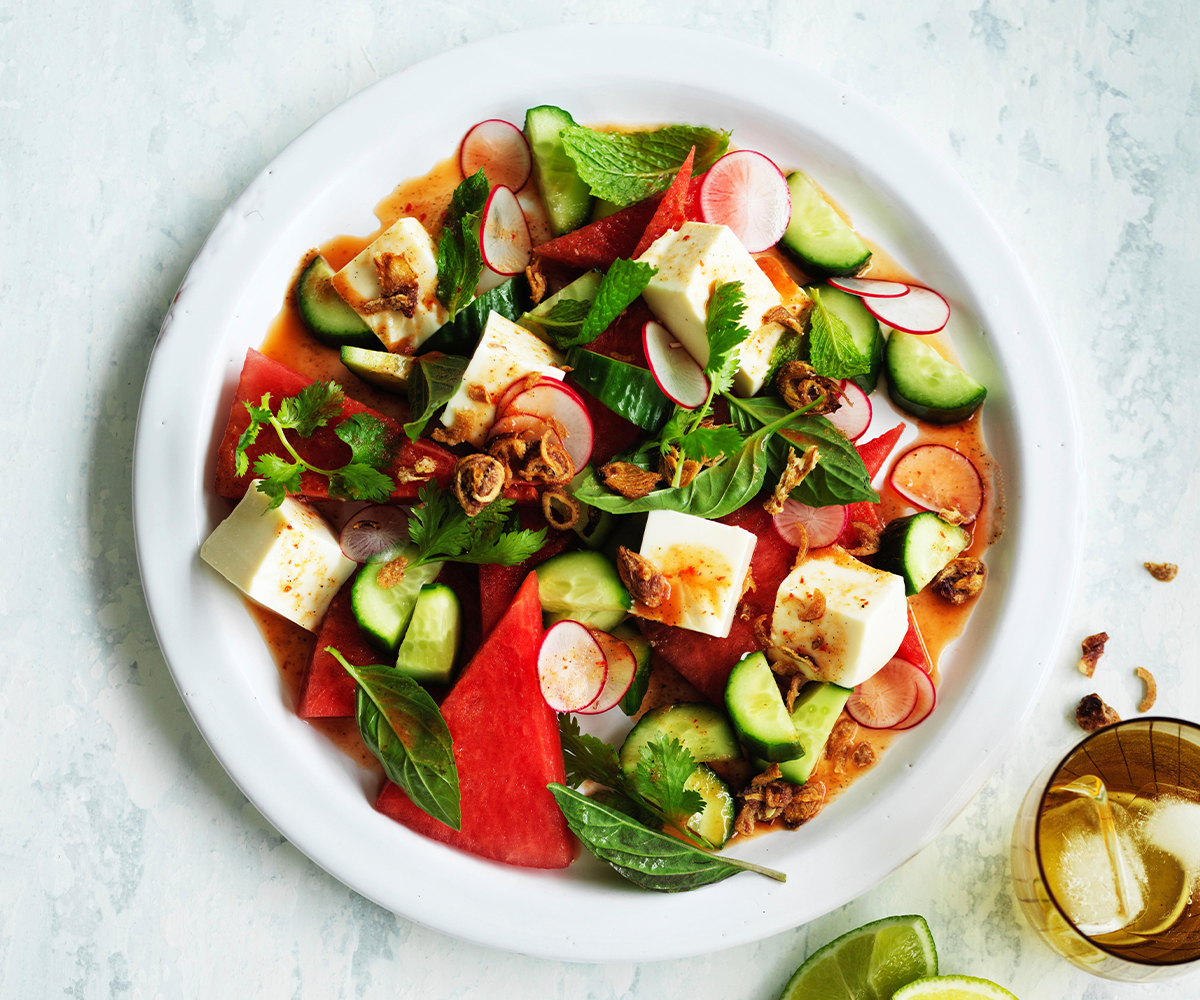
(498,584)
(601,242)
(705,660)
(912,646)
(322,448)
(610,433)
(507,750)
(327,690)
(672,210)
(623,338)
(873,453)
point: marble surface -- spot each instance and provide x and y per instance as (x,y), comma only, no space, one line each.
(130,865)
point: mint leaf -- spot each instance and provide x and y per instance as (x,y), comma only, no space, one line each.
(623,283)
(587,758)
(435,378)
(832,351)
(625,167)
(459,260)
(564,321)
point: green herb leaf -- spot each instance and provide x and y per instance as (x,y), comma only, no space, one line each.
(832,351)
(442,531)
(259,415)
(435,378)
(369,440)
(624,167)
(562,324)
(402,726)
(312,407)
(587,758)
(357,481)
(650,859)
(709,442)
(624,282)
(459,260)
(725,332)
(663,768)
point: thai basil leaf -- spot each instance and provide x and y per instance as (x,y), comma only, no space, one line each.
(402,726)
(647,858)
(840,476)
(434,379)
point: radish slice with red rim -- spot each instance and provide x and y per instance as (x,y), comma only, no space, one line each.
(926,699)
(520,385)
(921,311)
(500,150)
(373,532)
(514,422)
(504,234)
(745,191)
(887,697)
(938,478)
(853,417)
(621,667)
(551,400)
(677,373)
(871,288)
(572,668)
(824,525)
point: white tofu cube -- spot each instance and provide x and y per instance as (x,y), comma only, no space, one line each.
(690,261)
(865,618)
(505,353)
(287,559)
(358,283)
(706,564)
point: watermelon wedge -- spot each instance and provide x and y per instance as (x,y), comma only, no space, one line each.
(672,210)
(498,584)
(507,750)
(874,454)
(326,690)
(322,448)
(601,242)
(912,646)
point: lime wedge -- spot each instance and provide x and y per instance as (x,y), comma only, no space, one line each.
(953,988)
(869,963)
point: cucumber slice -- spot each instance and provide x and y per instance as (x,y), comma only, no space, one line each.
(627,390)
(431,642)
(925,384)
(584,587)
(567,197)
(583,289)
(918,547)
(714,823)
(814,714)
(640,648)
(461,335)
(816,235)
(381,368)
(703,729)
(863,327)
(325,313)
(383,613)
(759,715)
(601,209)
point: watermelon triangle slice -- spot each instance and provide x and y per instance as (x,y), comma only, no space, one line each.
(507,749)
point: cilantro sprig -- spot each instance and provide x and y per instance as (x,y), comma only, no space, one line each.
(316,405)
(442,531)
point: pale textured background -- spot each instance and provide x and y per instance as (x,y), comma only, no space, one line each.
(130,865)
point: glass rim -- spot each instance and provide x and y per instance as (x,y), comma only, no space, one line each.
(1037,840)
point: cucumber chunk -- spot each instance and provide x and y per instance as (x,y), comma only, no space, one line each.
(863,327)
(627,390)
(918,547)
(701,728)
(714,823)
(434,635)
(567,197)
(632,700)
(383,369)
(325,313)
(383,613)
(817,236)
(814,714)
(925,384)
(759,715)
(584,587)
(461,335)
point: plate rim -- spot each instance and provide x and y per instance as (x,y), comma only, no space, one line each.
(590,46)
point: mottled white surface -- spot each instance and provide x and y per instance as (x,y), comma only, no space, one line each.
(130,865)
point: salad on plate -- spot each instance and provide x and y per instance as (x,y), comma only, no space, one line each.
(555,497)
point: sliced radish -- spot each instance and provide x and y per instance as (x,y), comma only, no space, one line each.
(621,668)
(551,400)
(922,310)
(824,525)
(504,234)
(926,699)
(677,373)
(514,422)
(887,697)
(870,287)
(498,148)
(374,531)
(745,191)
(520,385)
(853,417)
(935,477)
(571,667)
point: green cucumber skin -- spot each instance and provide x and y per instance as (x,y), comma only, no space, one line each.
(326,315)
(702,728)
(384,614)
(917,392)
(758,713)
(461,335)
(814,715)
(382,369)
(629,391)
(582,586)
(918,547)
(567,198)
(834,249)
(863,327)
(632,700)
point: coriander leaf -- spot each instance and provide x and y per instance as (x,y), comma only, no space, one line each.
(710,442)
(587,757)
(832,351)
(278,475)
(312,407)
(650,859)
(441,530)
(663,768)
(358,481)
(259,415)
(369,440)
(459,260)
(725,332)
(506,548)
(435,378)
(624,167)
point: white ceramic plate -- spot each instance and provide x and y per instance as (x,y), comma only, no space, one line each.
(326,182)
